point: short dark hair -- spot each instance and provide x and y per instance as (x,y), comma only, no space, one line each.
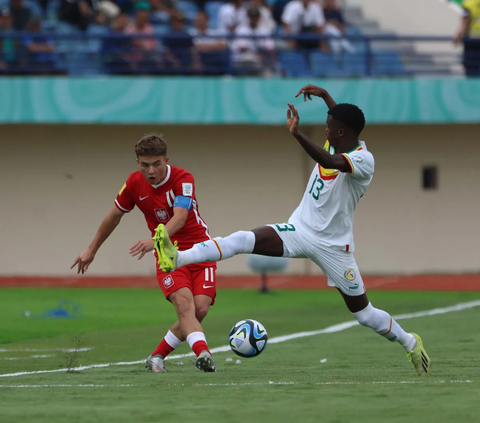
(151,145)
(349,115)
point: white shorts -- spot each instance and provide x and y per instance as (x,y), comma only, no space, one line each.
(339,266)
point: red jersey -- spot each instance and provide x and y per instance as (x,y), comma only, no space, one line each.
(156,203)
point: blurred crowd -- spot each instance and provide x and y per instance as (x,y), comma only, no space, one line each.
(178,35)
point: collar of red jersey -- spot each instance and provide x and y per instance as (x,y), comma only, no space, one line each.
(169,171)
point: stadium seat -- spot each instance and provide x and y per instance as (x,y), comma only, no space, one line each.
(34,7)
(189,9)
(52,9)
(354,64)
(294,64)
(387,63)
(212,7)
(325,64)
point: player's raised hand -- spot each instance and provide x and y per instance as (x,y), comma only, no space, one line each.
(309,90)
(83,261)
(292,118)
(142,247)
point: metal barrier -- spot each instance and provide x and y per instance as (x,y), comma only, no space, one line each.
(308,55)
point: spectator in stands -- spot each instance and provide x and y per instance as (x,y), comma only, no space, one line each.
(78,13)
(7,45)
(20,14)
(168,7)
(469,33)
(213,51)
(304,17)
(116,51)
(180,53)
(232,15)
(253,56)
(334,27)
(266,18)
(144,55)
(40,50)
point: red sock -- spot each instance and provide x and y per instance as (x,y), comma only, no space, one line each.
(199,346)
(163,349)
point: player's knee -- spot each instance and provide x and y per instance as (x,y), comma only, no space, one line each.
(201,312)
(364,317)
(184,307)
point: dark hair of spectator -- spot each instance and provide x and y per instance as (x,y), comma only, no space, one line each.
(151,145)
(350,116)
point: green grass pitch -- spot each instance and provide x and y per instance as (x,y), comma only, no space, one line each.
(365,379)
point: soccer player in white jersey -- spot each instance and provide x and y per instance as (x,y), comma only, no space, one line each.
(321,228)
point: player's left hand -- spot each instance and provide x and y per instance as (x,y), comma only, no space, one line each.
(142,247)
(292,118)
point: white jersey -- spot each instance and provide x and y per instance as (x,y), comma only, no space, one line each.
(326,212)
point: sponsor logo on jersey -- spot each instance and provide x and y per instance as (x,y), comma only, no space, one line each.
(162,215)
(350,275)
(168,282)
(187,189)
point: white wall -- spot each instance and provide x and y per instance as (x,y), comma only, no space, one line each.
(57,183)
(416,17)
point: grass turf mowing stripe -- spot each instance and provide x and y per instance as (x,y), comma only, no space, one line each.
(278,339)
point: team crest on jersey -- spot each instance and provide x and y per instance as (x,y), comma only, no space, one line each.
(168,282)
(350,275)
(162,215)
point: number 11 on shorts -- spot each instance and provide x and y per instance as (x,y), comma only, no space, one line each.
(209,274)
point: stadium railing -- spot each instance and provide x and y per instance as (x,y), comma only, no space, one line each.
(369,56)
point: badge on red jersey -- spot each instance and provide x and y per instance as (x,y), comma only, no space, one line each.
(187,189)
(168,282)
(162,215)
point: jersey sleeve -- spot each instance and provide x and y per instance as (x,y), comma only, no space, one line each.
(184,187)
(362,164)
(125,199)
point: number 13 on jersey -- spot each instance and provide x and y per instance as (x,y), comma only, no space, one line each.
(316,187)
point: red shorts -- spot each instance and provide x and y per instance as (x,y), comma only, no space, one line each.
(201,279)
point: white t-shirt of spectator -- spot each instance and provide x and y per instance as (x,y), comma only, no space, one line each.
(199,41)
(240,45)
(297,15)
(229,15)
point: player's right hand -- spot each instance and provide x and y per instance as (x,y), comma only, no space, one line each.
(309,90)
(83,261)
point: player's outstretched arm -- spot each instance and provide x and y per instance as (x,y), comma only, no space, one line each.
(322,157)
(108,225)
(309,90)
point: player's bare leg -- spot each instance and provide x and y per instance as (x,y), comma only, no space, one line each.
(191,328)
(263,241)
(174,337)
(382,323)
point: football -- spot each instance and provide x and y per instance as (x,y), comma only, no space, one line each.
(248,338)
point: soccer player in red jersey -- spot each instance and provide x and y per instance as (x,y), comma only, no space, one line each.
(166,194)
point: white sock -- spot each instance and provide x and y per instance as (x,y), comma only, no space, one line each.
(217,249)
(195,337)
(172,340)
(382,323)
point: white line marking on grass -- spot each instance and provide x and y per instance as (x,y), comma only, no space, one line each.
(48,349)
(28,358)
(64,386)
(276,340)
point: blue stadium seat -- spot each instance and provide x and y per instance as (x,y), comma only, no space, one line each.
(325,64)
(360,45)
(354,64)
(94,42)
(52,9)
(294,64)
(212,7)
(34,7)
(387,63)
(190,9)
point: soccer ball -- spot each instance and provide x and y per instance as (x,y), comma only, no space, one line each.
(248,338)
